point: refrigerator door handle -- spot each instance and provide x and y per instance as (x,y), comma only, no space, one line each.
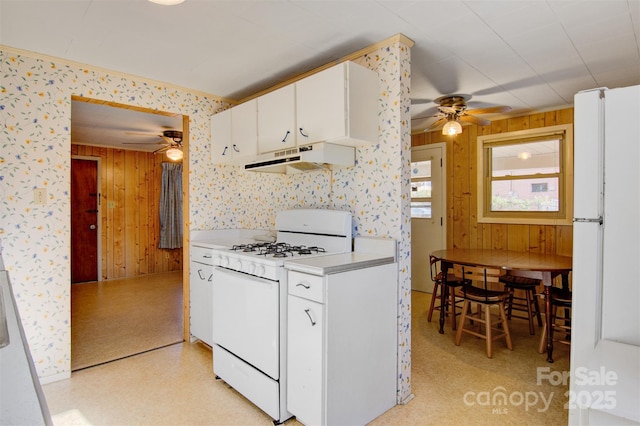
(588,220)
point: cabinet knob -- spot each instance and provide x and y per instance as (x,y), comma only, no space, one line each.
(302,133)
(286,136)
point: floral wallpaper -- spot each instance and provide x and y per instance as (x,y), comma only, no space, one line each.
(35,120)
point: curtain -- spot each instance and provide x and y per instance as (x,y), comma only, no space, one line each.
(171,206)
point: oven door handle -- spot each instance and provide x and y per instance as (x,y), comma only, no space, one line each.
(245,277)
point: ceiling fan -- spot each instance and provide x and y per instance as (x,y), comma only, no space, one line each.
(171,143)
(452,109)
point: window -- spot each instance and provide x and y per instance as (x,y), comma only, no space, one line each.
(526,176)
(421,189)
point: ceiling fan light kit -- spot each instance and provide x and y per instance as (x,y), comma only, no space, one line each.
(171,145)
(452,128)
(452,109)
(174,154)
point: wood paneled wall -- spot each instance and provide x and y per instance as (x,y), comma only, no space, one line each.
(463,229)
(130,220)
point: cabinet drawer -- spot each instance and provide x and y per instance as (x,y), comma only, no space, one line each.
(202,255)
(308,286)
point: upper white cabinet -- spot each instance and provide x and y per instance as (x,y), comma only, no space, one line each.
(338,105)
(221,137)
(277,120)
(234,133)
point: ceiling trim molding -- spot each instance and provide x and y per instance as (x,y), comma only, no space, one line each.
(398,38)
(56,59)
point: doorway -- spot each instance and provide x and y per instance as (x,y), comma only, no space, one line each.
(428,207)
(127,224)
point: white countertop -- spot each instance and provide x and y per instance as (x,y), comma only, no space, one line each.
(225,238)
(336,263)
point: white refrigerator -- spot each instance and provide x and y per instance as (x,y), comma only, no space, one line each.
(605,338)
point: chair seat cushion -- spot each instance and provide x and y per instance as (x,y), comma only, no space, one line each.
(519,282)
(484,296)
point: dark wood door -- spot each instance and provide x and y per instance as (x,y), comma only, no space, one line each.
(84,220)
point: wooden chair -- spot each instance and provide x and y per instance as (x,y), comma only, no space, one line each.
(484,298)
(451,300)
(560,298)
(528,303)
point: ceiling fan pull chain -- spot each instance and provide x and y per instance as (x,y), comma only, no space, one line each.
(302,133)
(285,136)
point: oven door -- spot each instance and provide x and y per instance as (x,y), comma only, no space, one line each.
(246,318)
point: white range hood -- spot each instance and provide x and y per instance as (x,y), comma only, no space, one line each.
(304,158)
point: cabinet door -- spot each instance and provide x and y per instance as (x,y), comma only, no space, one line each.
(244,130)
(305,352)
(200,293)
(321,107)
(221,137)
(276,120)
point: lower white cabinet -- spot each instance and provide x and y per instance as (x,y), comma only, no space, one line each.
(305,360)
(201,294)
(342,345)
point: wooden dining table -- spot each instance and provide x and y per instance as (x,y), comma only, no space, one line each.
(545,267)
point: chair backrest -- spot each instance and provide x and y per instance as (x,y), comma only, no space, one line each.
(478,273)
(434,267)
(433,261)
(435,270)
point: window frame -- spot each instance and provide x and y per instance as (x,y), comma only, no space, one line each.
(422,199)
(564,215)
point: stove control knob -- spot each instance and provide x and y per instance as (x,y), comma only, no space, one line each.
(260,270)
(237,265)
(224,261)
(251,268)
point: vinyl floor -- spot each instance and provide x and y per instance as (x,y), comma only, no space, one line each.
(452,385)
(119,318)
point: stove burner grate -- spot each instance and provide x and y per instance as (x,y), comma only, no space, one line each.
(278,250)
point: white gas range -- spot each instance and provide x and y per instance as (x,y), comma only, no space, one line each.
(250,302)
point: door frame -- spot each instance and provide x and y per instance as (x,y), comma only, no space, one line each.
(99,221)
(443,183)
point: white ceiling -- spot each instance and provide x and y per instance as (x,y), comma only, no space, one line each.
(530,55)
(103,125)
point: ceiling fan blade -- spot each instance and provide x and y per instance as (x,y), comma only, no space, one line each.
(420,101)
(489,110)
(142,143)
(162,149)
(475,120)
(438,123)
(142,134)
